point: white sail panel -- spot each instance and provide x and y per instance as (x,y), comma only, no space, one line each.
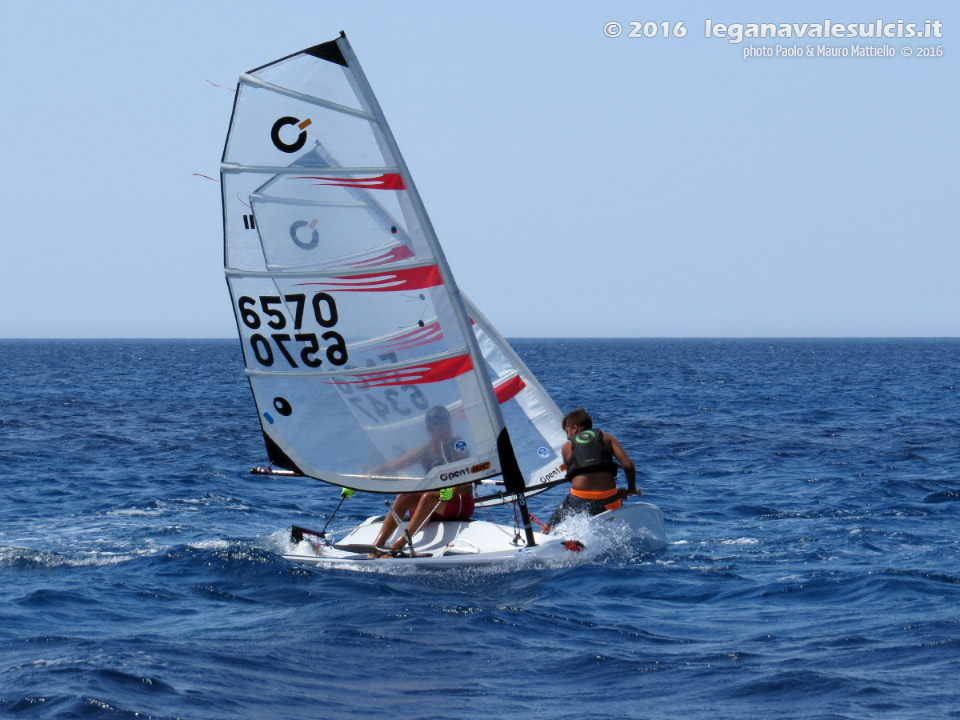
(352,328)
(320,83)
(317,221)
(532,417)
(350,138)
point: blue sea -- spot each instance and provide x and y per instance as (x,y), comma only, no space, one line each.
(811,490)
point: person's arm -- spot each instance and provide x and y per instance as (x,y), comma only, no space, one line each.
(405,460)
(629,469)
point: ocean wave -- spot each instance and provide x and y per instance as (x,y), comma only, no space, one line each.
(27,557)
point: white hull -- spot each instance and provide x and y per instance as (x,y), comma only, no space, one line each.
(473,543)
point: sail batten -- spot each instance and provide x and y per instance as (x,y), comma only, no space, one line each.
(257,82)
(330,273)
(231,167)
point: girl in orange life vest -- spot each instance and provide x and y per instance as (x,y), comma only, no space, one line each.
(588,455)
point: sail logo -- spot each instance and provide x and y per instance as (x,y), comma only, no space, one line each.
(296,144)
(460,472)
(386,181)
(314,237)
(556,472)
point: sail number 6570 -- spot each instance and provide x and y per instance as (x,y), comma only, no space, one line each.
(324,312)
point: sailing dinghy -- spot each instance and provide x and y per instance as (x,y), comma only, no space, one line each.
(353,327)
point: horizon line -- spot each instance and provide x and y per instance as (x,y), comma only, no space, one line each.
(551,337)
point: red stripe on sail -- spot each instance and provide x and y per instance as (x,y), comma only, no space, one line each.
(386,281)
(401,252)
(419,336)
(504,392)
(395,255)
(387,181)
(509,389)
(437,371)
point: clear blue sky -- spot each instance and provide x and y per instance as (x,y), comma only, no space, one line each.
(581,185)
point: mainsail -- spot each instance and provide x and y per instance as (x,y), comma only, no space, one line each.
(352,326)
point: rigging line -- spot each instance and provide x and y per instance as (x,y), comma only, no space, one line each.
(530,491)
(222,87)
(406,528)
(323,533)
(425,521)
(206,176)
(494,522)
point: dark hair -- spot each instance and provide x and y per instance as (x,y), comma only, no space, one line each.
(578,417)
(437,416)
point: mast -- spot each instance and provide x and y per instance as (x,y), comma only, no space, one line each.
(513,478)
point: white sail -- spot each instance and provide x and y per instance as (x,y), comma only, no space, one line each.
(351,323)
(531,415)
